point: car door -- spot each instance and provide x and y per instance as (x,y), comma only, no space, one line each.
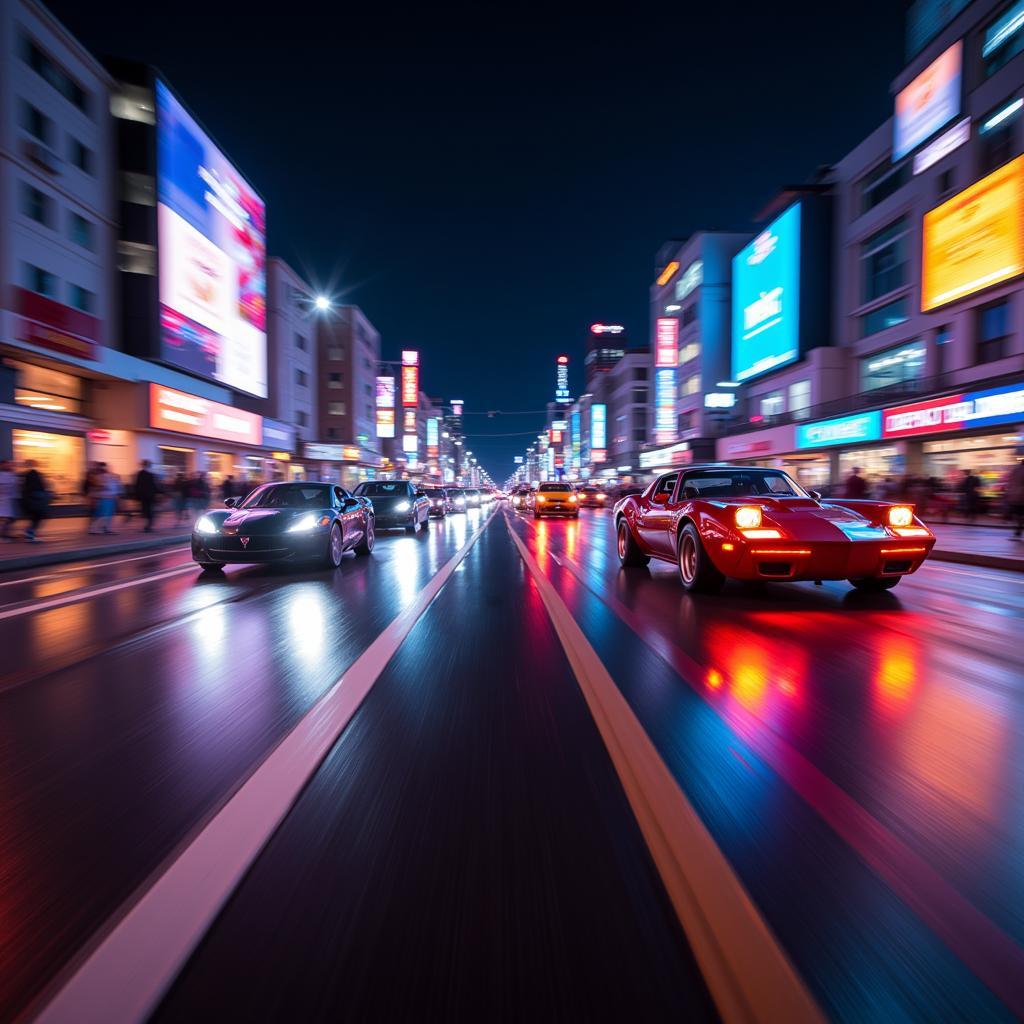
(351,522)
(655,521)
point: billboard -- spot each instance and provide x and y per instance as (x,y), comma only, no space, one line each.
(975,239)
(410,378)
(928,103)
(211,230)
(562,380)
(991,408)
(666,341)
(766,299)
(385,406)
(598,426)
(410,442)
(664,404)
(845,430)
(189,414)
(433,434)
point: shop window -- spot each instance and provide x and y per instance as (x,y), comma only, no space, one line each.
(773,404)
(81,298)
(38,280)
(1003,38)
(893,366)
(881,319)
(800,399)
(41,388)
(59,457)
(336,408)
(993,332)
(136,258)
(334,380)
(997,135)
(884,260)
(36,205)
(80,155)
(35,122)
(881,183)
(80,231)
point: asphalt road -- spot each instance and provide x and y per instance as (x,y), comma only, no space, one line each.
(472,846)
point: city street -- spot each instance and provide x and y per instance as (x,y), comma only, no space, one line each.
(486,773)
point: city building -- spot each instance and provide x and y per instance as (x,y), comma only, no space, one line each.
(628,392)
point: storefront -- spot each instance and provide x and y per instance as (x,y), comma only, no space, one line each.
(990,457)
(338,464)
(59,457)
(758,448)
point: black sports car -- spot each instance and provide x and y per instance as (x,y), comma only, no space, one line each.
(396,503)
(285,522)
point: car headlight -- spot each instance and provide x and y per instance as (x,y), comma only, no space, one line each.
(748,517)
(437,504)
(573,498)
(204,524)
(540,497)
(402,506)
(460,501)
(306,522)
(602,497)
(901,515)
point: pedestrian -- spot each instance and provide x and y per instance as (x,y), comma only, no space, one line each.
(227,488)
(35,500)
(146,490)
(969,495)
(856,485)
(1015,498)
(108,488)
(8,498)
(89,492)
(180,488)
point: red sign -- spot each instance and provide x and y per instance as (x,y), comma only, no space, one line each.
(555,436)
(410,385)
(51,325)
(190,414)
(749,448)
(599,455)
(98,436)
(932,417)
(666,345)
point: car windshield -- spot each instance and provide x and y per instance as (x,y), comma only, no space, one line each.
(555,487)
(289,496)
(455,492)
(740,483)
(383,489)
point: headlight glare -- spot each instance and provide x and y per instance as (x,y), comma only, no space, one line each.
(306,522)
(402,506)
(748,517)
(901,515)
(204,524)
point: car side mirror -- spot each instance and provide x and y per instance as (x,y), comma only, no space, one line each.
(659,499)
(230,502)
(816,495)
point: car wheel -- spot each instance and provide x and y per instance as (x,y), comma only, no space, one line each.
(696,570)
(630,554)
(876,583)
(335,548)
(365,546)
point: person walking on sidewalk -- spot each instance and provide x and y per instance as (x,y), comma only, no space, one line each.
(89,491)
(969,494)
(1015,498)
(8,498)
(856,485)
(180,491)
(35,500)
(146,490)
(108,488)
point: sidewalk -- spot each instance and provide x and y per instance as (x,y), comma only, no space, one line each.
(992,549)
(68,540)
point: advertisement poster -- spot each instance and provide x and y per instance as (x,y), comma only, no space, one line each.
(766,299)
(931,101)
(664,404)
(666,341)
(211,228)
(974,240)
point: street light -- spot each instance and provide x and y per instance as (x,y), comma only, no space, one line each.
(322,303)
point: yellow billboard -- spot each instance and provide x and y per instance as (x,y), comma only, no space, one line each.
(974,240)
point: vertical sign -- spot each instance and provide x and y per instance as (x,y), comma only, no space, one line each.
(664,404)
(562,380)
(410,378)
(666,341)
(598,426)
(385,406)
(432,437)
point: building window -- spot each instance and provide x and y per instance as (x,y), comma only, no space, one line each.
(80,231)
(300,342)
(335,354)
(639,419)
(893,366)
(943,352)
(38,280)
(994,332)
(82,299)
(889,315)
(35,204)
(946,182)
(302,418)
(691,386)
(800,399)
(334,380)
(997,136)
(688,352)
(1003,38)
(638,396)
(136,258)
(301,379)
(773,404)
(640,436)
(43,65)
(80,155)
(139,189)
(881,183)
(689,314)
(332,432)
(639,373)
(336,408)
(367,390)
(35,122)
(883,260)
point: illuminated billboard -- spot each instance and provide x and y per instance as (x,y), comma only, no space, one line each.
(974,240)
(865,426)
(211,230)
(598,426)
(664,404)
(170,409)
(992,408)
(666,341)
(385,406)
(433,433)
(928,103)
(562,380)
(766,299)
(410,385)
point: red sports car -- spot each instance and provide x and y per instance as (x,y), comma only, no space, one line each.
(746,523)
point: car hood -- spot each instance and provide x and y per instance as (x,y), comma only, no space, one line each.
(388,501)
(806,519)
(262,520)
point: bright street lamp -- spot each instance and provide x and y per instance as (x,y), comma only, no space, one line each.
(322,303)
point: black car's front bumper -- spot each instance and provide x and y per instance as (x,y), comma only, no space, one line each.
(224,549)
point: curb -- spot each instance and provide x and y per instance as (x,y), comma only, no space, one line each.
(88,554)
(1006,562)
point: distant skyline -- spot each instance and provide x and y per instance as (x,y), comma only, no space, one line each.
(484,194)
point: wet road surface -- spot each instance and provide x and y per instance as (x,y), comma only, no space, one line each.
(466,848)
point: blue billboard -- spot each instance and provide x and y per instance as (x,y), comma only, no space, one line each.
(766,299)
(865,426)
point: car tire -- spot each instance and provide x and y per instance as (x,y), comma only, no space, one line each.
(697,573)
(365,546)
(630,554)
(335,548)
(875,584)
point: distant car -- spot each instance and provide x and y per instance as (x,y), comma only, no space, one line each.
(742,522)
(284,522)
(473,498)
(520,499)
(556,499)
(592,497)
(396,504)
(439,501)
(457,496)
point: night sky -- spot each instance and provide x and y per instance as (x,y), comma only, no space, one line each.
(485,184)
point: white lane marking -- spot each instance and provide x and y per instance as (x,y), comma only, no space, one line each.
(88,593)
(155,553)
(123,978)
(747,972)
